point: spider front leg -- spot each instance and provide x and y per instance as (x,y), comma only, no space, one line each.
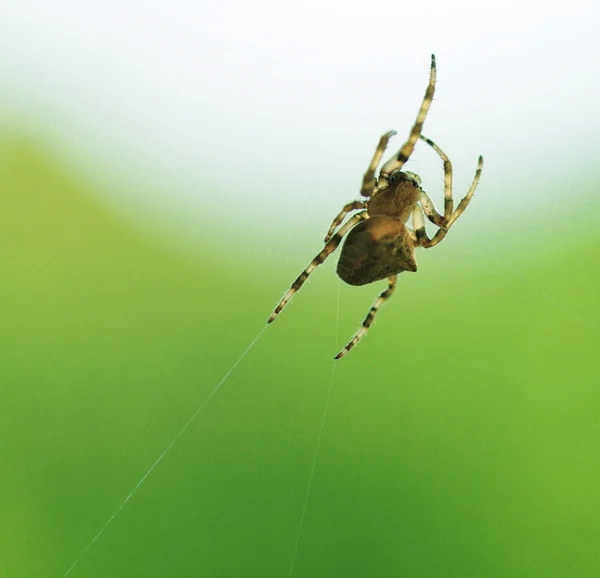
(398,160)
(430,210)
(467,198)
(385,295)
(418,221)
(354,206)
(329,248)
(369,181)
(448,201)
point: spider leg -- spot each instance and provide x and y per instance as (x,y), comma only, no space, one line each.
(369,181)
(430,210)
(467,198)
(422,239)
(383,297)
(448,201)
(398,160)
(354,206)
(329,248)
(419,224)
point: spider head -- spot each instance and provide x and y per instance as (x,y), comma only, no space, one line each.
(399,177)
(398,198)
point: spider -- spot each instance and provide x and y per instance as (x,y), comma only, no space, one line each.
(379,245)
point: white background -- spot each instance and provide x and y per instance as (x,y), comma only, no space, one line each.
(266,113)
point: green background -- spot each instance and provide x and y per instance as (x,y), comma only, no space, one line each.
(461,439)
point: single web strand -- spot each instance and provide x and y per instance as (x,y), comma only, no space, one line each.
(318,444)
(164,453)
(537,291)
(549,299)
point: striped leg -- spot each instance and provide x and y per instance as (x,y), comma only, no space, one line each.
(448,201)
(369,181)
(467,198)
(419,224)
(398,160)
(422,239)
(370,317)
(354,206)
(430,210)
(329,248)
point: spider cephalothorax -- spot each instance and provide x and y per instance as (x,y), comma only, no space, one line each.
(379,245)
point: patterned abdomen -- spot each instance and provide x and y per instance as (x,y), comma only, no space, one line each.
(375,249)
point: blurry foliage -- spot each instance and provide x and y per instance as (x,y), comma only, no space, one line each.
(461,438)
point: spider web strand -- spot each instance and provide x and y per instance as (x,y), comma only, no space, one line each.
(533,288)
(318,444)
(549,299)
(163,454)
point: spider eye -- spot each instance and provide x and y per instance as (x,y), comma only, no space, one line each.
(402,177)
(396,177)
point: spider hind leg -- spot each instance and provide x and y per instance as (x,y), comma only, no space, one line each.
(383,297)
(329,248)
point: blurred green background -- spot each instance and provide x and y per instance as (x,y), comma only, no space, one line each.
(167,170)
(461,438)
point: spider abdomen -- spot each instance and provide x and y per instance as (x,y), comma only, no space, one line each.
(376,249)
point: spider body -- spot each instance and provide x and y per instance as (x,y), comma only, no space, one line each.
(375,249)
(379,244)
(382,245)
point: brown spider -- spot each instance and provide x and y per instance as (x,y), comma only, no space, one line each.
(379,244)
